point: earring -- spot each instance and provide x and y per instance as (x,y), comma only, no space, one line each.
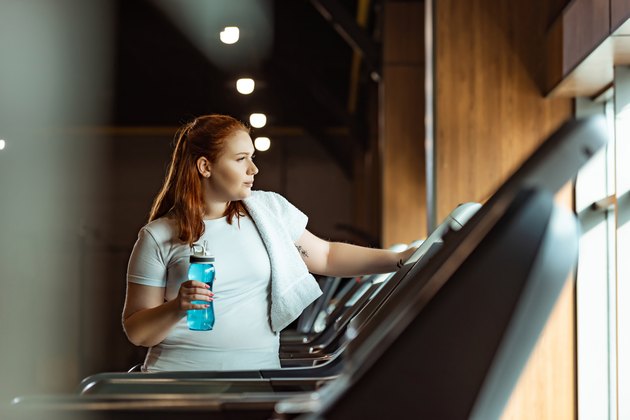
(207,175)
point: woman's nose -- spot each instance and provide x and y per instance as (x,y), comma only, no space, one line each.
(253,169)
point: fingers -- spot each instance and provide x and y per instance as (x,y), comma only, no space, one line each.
(194,295)
(197,306)
(187,302)
(192,287)
(195,283)
(198,296)
(405,255)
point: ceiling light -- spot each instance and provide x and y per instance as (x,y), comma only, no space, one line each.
(262,143)
(245,86)
(2,144)
(258,120)
(229,35)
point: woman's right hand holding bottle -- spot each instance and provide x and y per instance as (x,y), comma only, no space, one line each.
(194,291)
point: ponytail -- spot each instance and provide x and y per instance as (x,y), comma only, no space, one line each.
(165,199)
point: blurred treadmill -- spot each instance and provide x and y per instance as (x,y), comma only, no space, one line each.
(507,239)
(457,348)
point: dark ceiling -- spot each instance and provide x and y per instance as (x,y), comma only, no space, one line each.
(164,76)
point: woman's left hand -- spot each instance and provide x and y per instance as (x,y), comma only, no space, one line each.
(403,256)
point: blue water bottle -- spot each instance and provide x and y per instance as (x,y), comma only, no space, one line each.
(201,269)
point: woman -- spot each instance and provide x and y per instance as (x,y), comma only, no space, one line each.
(263,252)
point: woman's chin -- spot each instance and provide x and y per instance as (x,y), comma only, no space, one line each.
(245,193)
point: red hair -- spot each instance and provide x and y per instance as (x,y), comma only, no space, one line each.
(181,195)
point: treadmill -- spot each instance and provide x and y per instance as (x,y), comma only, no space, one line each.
(498,268)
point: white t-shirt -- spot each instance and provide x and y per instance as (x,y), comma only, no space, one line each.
(242,338)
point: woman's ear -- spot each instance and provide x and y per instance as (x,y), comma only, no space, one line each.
(203,166)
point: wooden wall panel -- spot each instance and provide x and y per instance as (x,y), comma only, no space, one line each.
(490,115)
(402,130)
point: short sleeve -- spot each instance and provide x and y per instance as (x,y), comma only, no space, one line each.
(146,265)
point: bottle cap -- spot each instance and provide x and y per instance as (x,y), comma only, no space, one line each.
(201,253)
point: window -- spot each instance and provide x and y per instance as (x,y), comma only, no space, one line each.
(603,276)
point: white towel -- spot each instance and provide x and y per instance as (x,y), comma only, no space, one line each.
(293,288)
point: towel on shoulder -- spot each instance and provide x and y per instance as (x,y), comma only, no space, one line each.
(280,223)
